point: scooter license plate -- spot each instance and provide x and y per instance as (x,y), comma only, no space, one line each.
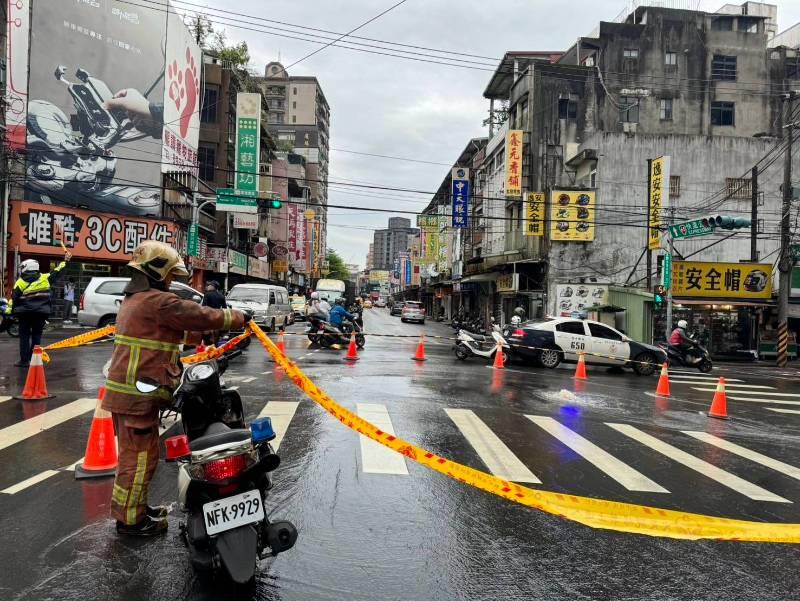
(232,512)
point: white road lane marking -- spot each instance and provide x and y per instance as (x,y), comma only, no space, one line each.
(792,395)
(694,373)
(602,460)
(752,400)
(727,479)
(492,451)
(248,380)
(729,386)
(376,458)
(71,467)
(30,427)
(11,490)
(684,376)
(3,399)
(281,414)
(778,466)
(776,410)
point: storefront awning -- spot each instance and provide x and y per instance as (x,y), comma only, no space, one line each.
(480,277)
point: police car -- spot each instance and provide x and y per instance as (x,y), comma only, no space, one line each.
(555,339)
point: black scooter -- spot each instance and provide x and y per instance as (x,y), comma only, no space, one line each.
(697,358)
(223,478)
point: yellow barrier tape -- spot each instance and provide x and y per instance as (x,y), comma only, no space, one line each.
(216,351)
(79,340)
(596,513)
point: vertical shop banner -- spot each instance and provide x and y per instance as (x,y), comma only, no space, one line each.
(514,139)
(572,216)
(429,230)
(248,140)
(407,270)
(658,200)
(181,133)
(721,280)
(534,214)
(460,193)
(237,262)
(18,29)
(297,237)
(84,56)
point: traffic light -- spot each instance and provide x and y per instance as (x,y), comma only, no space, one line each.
(726,222)
(275,203)
(659,292)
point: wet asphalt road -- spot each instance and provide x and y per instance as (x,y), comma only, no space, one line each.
(419,535)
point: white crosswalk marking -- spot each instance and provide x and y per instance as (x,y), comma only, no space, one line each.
(776,410)
(30,427)
(492,451)
(281,414)
(791,395)
(727,385)
(613,467)
(248,380)
(684,376)
(376,458)
(711,471)
(778,466)
(3,399)
(693,373)
(754,400)
(11,490)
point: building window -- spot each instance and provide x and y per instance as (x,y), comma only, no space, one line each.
(666,109)
(722,24)
(723,113)
(206,159)
(567,109)
(629,109)
(523,114)
(670,58)
(793,68)
(738,188)
(748,25)
(723,67)
(631,53)
(294,118)
(208,113)
(294,91)
(294,104)
(674,186)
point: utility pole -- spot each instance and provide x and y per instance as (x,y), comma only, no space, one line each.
(785,262)
(667,271)
(754,216)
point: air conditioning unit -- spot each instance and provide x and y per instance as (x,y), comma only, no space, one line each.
(265,168)
(629,128)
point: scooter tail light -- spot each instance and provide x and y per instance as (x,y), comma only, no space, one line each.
(223,469)
(518,333)
(177,447)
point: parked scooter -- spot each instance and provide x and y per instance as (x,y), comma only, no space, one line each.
(473,344)
(223,477)
(697,357)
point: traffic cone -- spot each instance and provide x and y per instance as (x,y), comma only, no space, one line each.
(719,406)
(580,370)
(499,360)
(35,388)
(420,354)
(101,448)
(352,350)
(662,389)
(281,344)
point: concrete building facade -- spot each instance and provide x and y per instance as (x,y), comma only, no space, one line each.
(389,243)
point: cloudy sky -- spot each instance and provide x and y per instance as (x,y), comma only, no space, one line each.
(412,109)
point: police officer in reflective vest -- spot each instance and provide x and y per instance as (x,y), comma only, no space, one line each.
(30,302)
(151,325)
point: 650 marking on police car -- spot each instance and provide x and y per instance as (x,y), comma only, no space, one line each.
(232,512)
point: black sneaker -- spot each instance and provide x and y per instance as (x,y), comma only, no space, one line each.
(157,512)
(147,527)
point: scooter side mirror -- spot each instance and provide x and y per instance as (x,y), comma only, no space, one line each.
(146,386)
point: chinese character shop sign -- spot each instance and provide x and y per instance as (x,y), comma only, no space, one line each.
(40,229)
(658,200)
(514,163)
(534,214)
(460,192)
(572,216)
(248,140)
(721,280)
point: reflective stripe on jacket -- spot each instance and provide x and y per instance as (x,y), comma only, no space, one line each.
(151,325)
(34,296)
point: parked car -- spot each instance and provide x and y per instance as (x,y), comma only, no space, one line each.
(413,311)
(269,304)
(298,305)
(100,301)
(397,308)
(553,340)
(380,303)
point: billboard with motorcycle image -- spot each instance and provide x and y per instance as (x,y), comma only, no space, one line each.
(112,100)
(577,298)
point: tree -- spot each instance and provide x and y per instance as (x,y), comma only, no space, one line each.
(213,42)
(338,270)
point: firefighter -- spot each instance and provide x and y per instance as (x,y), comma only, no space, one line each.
(151,326)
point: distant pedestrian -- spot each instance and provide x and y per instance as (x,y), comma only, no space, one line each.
(214,299)
(69,300)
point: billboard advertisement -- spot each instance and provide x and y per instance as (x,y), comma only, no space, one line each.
(572,216)
(579,297)
(657,200)
(105,78)
(722,280)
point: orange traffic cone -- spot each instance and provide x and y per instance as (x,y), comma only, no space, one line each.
(352,349)
(420,354)
(662,389)
(580,370)
(35,388)
(499,357)
(101,448)
(281,344)
(719,406)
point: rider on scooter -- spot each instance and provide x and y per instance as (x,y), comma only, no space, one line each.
(683,343)
(339,314)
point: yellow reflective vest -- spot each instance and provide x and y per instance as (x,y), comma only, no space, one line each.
(33,296)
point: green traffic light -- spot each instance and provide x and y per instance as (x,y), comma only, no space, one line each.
(276,203)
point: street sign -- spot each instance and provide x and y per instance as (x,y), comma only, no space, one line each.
(237,201)
(666,279)
(193,244)
(690,229)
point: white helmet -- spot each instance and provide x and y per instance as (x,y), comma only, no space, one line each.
(29,265)
(682,324)
(314,295)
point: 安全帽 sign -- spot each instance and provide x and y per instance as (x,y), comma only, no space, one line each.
(721,280)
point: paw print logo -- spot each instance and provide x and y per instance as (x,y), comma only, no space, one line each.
(183,89)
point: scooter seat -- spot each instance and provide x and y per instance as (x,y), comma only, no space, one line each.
(218,434)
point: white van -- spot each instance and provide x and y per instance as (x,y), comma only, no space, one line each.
(269,304)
